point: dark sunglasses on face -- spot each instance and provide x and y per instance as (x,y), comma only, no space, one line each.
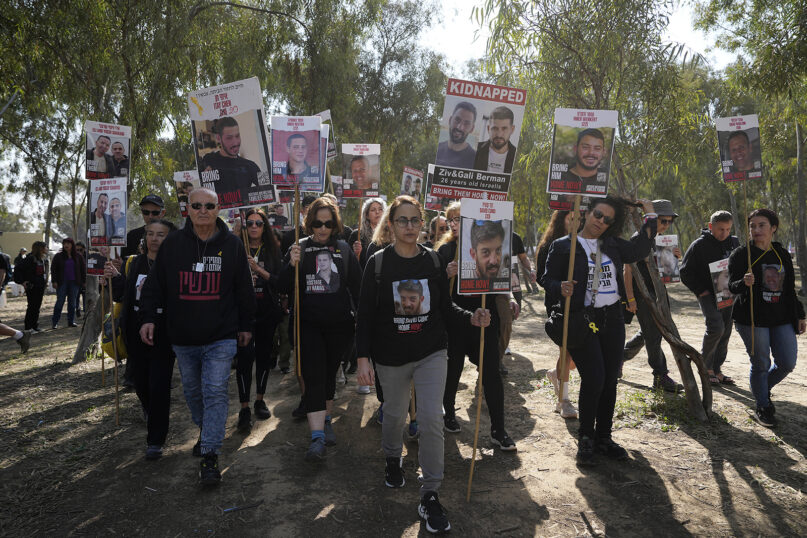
(319,224)
(599,215)
(255,223)
(210,206)
(154,213)
(665,221)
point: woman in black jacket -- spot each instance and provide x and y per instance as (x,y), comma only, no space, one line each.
(778,313)
(263,251)
(403,314)
(32,275)
(326,313)
(67,272)
(601,255)
(153,365)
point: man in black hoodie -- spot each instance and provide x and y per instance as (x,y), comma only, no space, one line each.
(201,282)
(713,245)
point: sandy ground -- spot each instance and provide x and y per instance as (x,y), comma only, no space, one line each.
(67,469)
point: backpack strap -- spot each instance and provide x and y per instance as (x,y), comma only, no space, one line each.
(378,258)
(346,250)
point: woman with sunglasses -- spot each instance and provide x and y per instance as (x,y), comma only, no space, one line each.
(463,339)
(403,313)
(601,254)
(326,313)
(559,225)
(263,250)
(152,366)
(778,315)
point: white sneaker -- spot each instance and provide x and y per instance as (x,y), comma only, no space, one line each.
(340,376)
(566,409)
(363,389)
(552,375)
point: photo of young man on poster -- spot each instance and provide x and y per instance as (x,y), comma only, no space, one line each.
(498,153)
(740,150)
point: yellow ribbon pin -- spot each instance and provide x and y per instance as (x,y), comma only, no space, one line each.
(593,327)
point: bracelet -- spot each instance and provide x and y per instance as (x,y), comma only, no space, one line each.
(632,300)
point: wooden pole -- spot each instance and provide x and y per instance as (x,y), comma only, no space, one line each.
(103,355)
(114,341)
(478,401)
(748,243)
(297,280)
(564,360)
(456,256)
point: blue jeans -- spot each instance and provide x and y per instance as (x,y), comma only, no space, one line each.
(778,341)
(70,291)
(205,372)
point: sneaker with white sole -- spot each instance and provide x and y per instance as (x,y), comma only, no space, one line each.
(433,513)
(502,440)
(363,389)
(393,473)
(566,409)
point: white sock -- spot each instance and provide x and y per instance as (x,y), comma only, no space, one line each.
(17,335)
(564,390)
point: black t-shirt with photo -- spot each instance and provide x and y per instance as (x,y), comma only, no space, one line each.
(235,173)
(403,317)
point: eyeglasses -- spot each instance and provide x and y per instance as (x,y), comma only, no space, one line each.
(453,220)
(665,221)
(210,206)
(403,222)
(599,215)
(154,213)
(319,224)
(255,223)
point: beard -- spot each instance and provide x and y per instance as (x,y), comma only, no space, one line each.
(498,142)
(457,136)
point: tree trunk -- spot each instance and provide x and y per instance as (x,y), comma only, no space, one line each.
(801,240)
(739,227)
(88,345)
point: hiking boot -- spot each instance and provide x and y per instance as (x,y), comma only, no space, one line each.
(764,415)
(244,420)
(450,424)
(552,376)
(299,413)
(197,448)
(393,474)
(607,446)
(330,436)
(209,474)
(154,452)
(316,450)
(502,440)
(261,411)
(665,382)
(433,512)
(25,341)
(566,409)
(585,451)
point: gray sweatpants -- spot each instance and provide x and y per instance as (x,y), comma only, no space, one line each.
(429,376)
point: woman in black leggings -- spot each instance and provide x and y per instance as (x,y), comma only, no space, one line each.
(600,254)
(264,263)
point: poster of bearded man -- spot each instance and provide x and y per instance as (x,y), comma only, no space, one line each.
(485,246)
(582,145)
(740,149)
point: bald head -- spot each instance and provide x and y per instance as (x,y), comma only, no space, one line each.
(203,194)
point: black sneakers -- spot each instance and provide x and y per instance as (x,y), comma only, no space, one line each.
(450,424)
(607,446)
(244,420)
(393,474)
(433,512)
(502,440)
(209,474)
(765,416)
(585,451)
(261,411)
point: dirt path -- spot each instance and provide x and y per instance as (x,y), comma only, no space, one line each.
(66,469)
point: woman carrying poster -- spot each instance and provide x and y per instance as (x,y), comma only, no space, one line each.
(778,315)
(402,323)
(153,365)
(601,255)
(326,314)
(263,250)
(463,339)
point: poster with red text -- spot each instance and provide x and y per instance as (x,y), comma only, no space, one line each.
(362,170)
(485,246)
(740,149)
(296,153)
(107,150)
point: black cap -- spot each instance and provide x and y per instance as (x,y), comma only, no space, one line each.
(153,199)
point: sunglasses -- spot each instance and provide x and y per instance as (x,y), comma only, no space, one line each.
(600,216)
(319,224)
(665,221)
(403,222)
(154,213)
(255,223)
(210,206)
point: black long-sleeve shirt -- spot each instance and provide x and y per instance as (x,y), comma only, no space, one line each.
(404,316)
